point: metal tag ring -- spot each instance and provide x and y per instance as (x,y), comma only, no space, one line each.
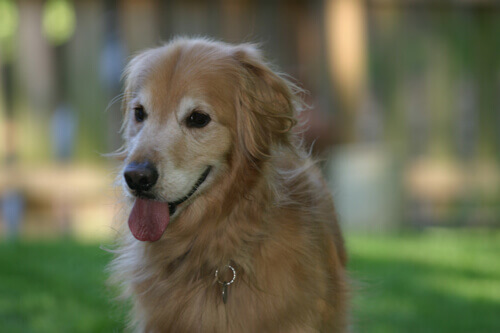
(225,283)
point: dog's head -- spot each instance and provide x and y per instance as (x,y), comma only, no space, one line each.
(192,109)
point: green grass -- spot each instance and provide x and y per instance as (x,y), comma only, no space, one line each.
(436,281)
(56,287)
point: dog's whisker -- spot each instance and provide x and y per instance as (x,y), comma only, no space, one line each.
(114,100)
(118,98)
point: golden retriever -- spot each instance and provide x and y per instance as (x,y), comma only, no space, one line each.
(231,227)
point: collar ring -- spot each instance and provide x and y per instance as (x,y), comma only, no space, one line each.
(222,282)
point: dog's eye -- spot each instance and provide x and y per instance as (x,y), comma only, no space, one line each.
(197,119)
(139,114)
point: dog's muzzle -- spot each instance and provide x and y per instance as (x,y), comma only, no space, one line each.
(141,177)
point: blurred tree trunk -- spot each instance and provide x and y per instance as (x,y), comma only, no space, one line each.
(346,48)
(486,75)
(35,63)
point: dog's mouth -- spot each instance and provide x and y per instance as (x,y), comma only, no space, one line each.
(149,218)
(172,206)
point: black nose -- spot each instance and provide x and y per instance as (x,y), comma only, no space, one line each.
(140,177)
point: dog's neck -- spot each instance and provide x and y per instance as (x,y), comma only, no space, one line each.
(221,226)
(226,225)
(236,222)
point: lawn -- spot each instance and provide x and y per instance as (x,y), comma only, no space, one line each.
(434,281)
(55,287)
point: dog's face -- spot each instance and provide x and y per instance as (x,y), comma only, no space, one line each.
(175,125)
(191,108)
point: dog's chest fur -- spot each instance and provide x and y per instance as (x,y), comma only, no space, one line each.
(275,295)
(288,264)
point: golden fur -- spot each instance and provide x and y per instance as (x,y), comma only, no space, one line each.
(265,208)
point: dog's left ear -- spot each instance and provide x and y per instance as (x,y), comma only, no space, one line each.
(266,105)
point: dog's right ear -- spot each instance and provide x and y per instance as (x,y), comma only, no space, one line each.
(131,77)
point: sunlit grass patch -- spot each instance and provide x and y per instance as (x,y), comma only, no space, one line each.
(434,281)
(55,287)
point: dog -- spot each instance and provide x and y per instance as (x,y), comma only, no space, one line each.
(231,227)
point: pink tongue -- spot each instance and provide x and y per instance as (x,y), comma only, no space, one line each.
(148,219)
